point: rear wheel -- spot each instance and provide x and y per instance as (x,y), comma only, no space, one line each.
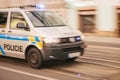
(34,58)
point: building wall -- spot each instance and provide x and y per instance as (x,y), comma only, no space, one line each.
(105,16)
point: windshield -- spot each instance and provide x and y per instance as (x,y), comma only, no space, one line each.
(44,19)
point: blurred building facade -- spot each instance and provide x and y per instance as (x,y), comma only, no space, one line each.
(96,17)
(57,6)
(92,17)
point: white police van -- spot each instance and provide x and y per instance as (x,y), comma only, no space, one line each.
(37,36)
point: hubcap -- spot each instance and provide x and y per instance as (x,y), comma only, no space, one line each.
(34,58)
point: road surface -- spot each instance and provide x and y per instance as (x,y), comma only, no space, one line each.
(90,68)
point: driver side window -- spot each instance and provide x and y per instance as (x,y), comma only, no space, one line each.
(16,18)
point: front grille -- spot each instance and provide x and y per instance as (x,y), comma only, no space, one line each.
(67,40)
(71,49)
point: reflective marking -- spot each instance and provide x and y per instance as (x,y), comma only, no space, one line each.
(13,37)
(2,36)
(26,73)
(2,52)
(33,43)
(40,44)
(32,39)
(37,39)
(22,38)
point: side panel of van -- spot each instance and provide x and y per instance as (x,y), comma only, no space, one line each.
(17,38)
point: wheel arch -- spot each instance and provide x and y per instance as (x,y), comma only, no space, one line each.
(29,47)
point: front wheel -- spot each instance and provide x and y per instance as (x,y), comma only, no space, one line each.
(34,58)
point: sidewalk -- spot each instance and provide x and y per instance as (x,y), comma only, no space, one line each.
(103,41)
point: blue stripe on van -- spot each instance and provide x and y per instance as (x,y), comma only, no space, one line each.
(37,39)
(2,36)
(33,42)
(14,37)
(2,51)
(21,38)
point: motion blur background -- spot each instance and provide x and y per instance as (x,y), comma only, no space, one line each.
(92,17)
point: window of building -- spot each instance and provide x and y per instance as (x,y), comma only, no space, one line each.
(118,28)
(3,19)
(87,23)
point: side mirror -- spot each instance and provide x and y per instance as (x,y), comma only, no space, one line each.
(22,26)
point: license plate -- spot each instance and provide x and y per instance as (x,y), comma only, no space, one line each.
(72,55)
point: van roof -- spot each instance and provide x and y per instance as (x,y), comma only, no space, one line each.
(22,8)
(19,9)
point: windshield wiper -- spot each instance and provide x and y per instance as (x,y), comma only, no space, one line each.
(60,25)
(51,26)
(43,26)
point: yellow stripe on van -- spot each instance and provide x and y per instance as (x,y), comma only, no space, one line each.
(32,39)
(0,53)
(40,44)
(36,40)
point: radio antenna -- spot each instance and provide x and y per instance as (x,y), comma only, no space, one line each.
(21,3)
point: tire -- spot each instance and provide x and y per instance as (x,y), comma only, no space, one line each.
(71,59)
(34,58)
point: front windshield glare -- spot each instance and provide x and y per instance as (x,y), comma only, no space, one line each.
(44,19)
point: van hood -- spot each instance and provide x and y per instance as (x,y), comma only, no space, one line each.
(58,32)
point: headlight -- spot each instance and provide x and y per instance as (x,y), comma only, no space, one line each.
(51,40)
(72,39)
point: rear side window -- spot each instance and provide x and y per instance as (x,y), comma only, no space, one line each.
(3,19)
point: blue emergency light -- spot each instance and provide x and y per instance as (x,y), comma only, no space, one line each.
(40,6)
(78,38)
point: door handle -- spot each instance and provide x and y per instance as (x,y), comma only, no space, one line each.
(10,31)
(2,30)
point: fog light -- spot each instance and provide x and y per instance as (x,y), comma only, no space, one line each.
(52,57)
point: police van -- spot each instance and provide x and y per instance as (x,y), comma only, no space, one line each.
(37,36)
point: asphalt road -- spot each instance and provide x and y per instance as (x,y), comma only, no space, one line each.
(17,69)
(21,68)
(10,75)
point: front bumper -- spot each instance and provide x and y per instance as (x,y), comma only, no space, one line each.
(61,51)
